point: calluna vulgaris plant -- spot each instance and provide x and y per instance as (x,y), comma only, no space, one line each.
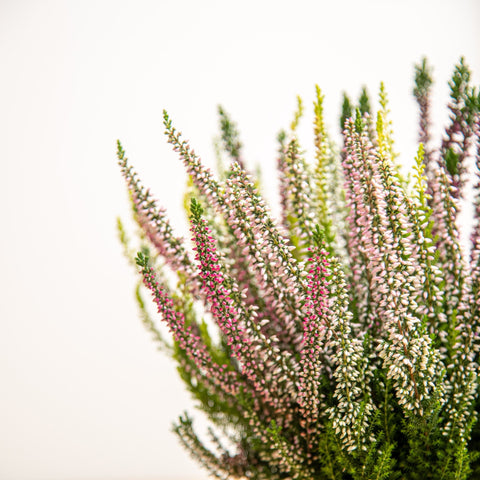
(340,341)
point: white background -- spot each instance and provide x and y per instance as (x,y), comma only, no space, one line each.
(83,392)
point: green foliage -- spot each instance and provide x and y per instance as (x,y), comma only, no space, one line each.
(364,102)
(325,172)
(142,260)
(341,342)
(384,125)
(423,79)
(347,111)
(230,135)
(298,114)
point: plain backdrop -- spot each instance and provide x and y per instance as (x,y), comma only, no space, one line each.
(83,392)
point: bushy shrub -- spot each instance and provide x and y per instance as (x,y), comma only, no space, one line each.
(341,340)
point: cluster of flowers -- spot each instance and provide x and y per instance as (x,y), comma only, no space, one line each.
(340,341)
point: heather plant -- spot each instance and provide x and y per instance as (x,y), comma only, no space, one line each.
(341,339)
